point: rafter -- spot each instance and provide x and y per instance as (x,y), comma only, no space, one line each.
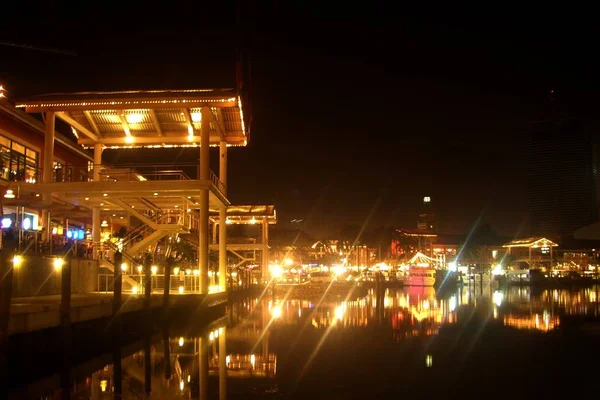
(90,119)
(124,124)
(170,138)
(155,122)
(218,122)
(65,117)
(188,120)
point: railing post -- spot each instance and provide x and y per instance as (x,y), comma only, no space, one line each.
(118,282)
(147,280)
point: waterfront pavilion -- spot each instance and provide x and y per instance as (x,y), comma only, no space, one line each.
(533,250)
(144,119)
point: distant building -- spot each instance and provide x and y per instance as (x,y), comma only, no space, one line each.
(427,220)
(561,179)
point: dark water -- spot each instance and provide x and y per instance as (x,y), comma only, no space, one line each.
(416,343)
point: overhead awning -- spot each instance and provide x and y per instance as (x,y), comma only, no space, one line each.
(152,118)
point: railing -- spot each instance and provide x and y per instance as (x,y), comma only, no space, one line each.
(110,173)
(180,283)
(217,182)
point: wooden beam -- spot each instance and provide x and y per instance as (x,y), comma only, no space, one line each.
(41,106)
(65,117)
(190,123)
(92,123)
(168,138)
(217,122)
(124,123)
(156,122)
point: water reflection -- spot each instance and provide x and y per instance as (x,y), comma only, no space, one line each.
(412,332)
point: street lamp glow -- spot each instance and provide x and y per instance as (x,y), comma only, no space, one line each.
(124,267)
(58,263)
(276,312)
(17,261)
(497,270)
(276,271)
(288,261)
(181,341)
(134,290)
(176,270)
(180,289)
(154,269)
(452,266)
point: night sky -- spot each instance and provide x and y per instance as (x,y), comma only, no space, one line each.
(358,112)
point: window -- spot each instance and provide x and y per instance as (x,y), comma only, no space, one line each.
(58,171)
(17,162)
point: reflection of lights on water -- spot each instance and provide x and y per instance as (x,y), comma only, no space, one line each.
(103,384)
(189,378)
(216,333)
(227,360)
(181,385)
(429,360)
(452,303)
(181,341)
(252,360)
(426,304)
(497,297)
(276,312)
(299,312)
(220,331)
(211,336)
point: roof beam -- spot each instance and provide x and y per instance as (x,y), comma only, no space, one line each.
(118,104)
(233,139)
(217,122)
(190,123)
(65,117)
(124,124)
(92,123)
(155,122)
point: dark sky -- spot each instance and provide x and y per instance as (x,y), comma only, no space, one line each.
(359,111)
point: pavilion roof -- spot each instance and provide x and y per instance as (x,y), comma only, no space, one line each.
(152,118)
(533,242)
(249,214)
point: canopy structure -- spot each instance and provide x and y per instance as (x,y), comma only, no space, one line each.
(155,118)
(421,259)
(249,214)
(532,242)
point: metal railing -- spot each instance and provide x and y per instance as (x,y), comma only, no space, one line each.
(180,283)
(217,182)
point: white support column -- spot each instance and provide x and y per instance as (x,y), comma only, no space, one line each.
(98,148)
(47,170)
(223,248)
(265,254)
(203,218)
(223,164)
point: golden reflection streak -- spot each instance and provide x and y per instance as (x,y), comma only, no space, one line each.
(323,338)
(273,318)
(312,314)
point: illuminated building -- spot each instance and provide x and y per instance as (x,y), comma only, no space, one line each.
(167,203)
